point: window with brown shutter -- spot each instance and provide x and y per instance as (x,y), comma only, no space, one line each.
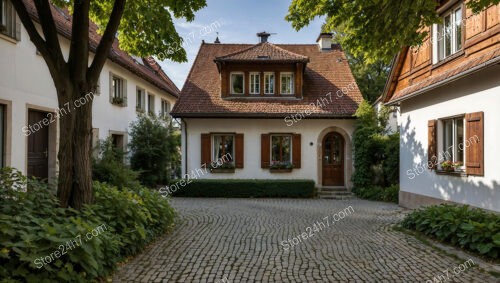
(265,153)
(205,149)
(474,144)
(239,146)
(296,150)
(432,143)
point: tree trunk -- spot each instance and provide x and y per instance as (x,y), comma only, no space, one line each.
(75,167)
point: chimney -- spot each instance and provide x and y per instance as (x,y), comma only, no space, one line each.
(325,41)
(263,36)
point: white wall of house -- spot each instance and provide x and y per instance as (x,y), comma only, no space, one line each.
(478,92)
(312,131)
(25,83)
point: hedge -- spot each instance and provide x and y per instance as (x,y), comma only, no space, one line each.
(472,229)
(244,188)
(388,194)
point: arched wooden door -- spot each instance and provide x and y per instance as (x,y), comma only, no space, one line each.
(333,159)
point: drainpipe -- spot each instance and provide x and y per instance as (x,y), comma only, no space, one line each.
(185,153)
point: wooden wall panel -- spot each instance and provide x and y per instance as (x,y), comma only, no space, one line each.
(492,16)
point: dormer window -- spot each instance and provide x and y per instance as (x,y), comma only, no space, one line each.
(254,83)
(287,83)
(237,83)
(448,35)
(268,83)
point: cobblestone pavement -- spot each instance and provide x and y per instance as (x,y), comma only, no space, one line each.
(241,240)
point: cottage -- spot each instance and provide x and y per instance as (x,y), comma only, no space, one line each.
(273,111)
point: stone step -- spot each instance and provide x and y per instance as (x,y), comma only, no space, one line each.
(333,190)
(336,197)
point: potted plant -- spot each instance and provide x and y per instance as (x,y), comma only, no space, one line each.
(447,166)
(226,167)
(281,166)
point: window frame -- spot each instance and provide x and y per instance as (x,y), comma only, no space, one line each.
(140,103)
(439,48)
(165,108)
(8,20)
(231,83)
(292,83)
(455,143)
(271,160)
(223,136)
(266,84)
(254,85)
(3,135)
(120,81)
(151,109)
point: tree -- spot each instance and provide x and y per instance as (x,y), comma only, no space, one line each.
(143,28)
(375,29)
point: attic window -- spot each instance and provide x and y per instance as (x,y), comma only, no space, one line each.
(237,83)
(264,57)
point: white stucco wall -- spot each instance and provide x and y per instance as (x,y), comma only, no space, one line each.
(479,92)
(25,82)
(312,131)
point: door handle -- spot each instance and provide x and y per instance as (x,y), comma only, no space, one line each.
(46,153)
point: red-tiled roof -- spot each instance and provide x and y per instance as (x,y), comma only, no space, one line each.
(147,69)
(455,72)
(327,72)
(263,52)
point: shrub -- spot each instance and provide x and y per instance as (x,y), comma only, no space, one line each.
(245,188)
(109,167)
(155,149)
(387,194)
(34,226)
(472,229)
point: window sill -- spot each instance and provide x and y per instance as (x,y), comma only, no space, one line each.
(280,170)
(8,38)
(448,59)
(451,173)
(222,170)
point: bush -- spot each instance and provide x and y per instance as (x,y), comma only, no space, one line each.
(472,229)
(245,188)
(387,194)
(155,149)
(109,167)
(33,227)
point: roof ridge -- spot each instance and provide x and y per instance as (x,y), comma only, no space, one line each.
(263,44)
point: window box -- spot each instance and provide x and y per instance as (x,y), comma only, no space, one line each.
(227,167)
(452,173)
(222,170)
(120,101)
(273,170)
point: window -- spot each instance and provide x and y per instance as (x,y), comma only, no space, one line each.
(287,83)
(118,90)
(223,147)
(237,83)
(453,139)
(165,108)
(2,135)
(281,149)
(448,34)
(7,19)
(140,102)
(254,83)
(151,104)
(269,83)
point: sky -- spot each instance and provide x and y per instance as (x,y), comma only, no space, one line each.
(236,21)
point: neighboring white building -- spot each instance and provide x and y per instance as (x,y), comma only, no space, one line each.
(281,111)
(448,90)
(28,95)
(393,118)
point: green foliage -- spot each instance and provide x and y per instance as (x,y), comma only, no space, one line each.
(109,167)
(376,156)
(146,27)
(155,149)
(387,194)
(34,226)
(472,229)
(245,188)
(374,29)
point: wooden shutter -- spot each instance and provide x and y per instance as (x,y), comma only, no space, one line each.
(206,149)
(474,144)
(265,150)
(239,148)
(432,143)
(296,150)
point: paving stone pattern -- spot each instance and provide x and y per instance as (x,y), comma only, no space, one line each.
(241,240)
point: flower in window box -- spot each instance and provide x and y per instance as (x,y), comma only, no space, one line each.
(225,165)
(281,165)
(447,165)
(118,100)
(457,165)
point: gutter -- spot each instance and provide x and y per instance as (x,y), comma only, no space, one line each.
(184,129)
(447,81)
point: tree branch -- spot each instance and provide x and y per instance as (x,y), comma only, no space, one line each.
(107,40)
(49,29)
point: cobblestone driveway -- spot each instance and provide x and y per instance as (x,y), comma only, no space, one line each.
(238,240)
